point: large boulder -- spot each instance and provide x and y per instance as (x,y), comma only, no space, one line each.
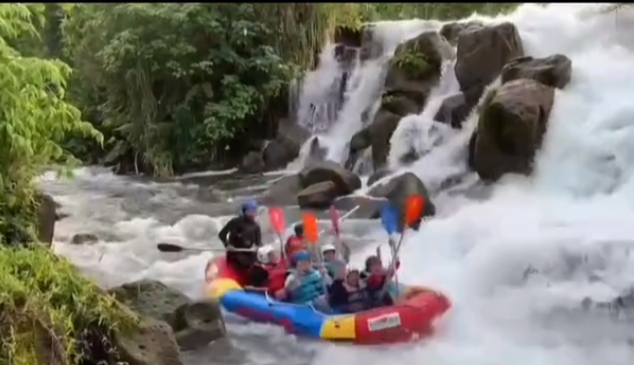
(396,191)
(345,181)
(554,71)
(371,47)
(317,196)
(378,175)
(412,73)
(284,191)
(400,188)
(252,163)
(482,51)
(46,217)
(454,110)
(152,344)
(511,127)
(451,31)
(279,152)
(194,324)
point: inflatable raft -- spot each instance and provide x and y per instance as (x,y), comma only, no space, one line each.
(409,319)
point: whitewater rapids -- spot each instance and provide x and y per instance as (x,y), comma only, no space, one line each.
(561,222)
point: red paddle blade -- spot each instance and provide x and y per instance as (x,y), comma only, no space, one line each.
(414,209)
(334,218)
(276,217)
(311,231)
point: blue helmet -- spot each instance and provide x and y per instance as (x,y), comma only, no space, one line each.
(249,205)
(301,256)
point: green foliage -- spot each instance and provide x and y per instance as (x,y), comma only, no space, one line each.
(413,63)
(47,307)
(175,86)
(175,83)
(34,118)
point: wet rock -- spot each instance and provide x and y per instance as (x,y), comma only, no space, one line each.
(511,127)
(368,208)
(346,56)
(454,110)
(371,48)
(283,191)
(317,196)
(345,181)
(451,31)
(252,163)
(554,71)
(293,131)
(279,152)
(152,344)
(348,36)
(412,73)
(316,152)
(409,157)
(46,217)
(359,142)
(471,150)
(482,51)
(400,188)
(84,238)
(194,324)
(381,129)
(378,175)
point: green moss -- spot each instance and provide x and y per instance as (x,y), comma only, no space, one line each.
(413,63)
(46,309)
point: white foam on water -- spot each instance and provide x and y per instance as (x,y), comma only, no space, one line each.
(561,221)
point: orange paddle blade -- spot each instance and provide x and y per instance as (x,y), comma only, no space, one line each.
(311,231)
(414,209)
(276,217)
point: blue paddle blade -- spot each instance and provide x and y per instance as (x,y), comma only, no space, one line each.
(389,218)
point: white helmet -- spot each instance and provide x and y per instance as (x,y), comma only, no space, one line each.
(328,247)
(263,253)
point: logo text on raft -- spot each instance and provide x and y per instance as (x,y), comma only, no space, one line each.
(383,322)
(266,317)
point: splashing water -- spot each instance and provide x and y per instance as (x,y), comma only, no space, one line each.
(578,204)
(565,221)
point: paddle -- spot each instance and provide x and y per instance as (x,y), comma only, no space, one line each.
(278,223)
(311,232)
(334,219)
(389,221)
(168,247)
(413,209)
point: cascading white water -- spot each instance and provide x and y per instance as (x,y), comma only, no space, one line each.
(559,221)
(565,221)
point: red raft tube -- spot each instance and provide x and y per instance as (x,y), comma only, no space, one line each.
(411,318)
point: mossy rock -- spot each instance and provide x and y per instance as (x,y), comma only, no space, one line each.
(52,315)
(194,324)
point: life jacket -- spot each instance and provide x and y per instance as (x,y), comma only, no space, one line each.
(358,299)
(277,276)
(293,244)
(310,287)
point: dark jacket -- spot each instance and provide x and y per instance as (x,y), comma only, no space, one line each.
(376,287)
(241,232)
(344,301)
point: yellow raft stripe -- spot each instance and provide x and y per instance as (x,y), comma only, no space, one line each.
(336,328)
(339,328)
(219,287)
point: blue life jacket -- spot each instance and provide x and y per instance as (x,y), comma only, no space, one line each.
(310,287)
